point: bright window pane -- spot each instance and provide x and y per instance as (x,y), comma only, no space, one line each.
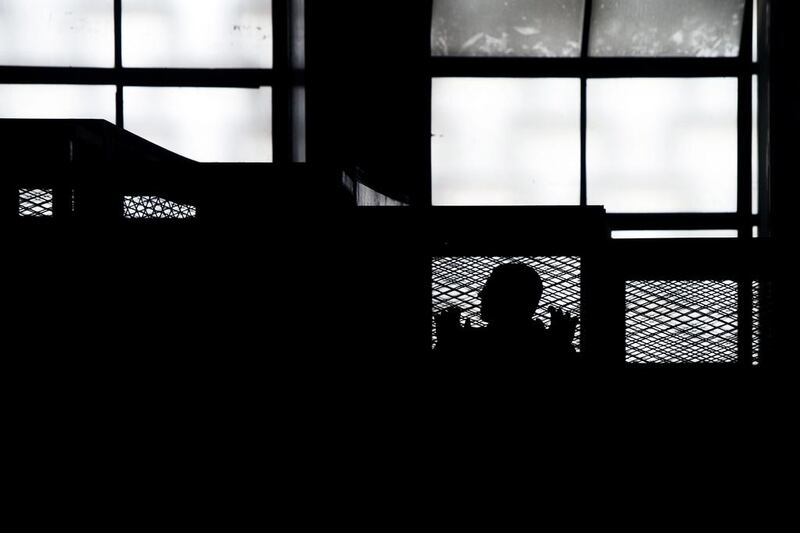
(675,234)
(542,28)
(78,33)
(204,124)
(662,145)
(298,15)
(505,141)
(197,34)
(299,124)
(58,101)
(695,28)
(755,147)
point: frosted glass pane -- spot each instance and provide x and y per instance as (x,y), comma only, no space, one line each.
(197,33)
(662,145)
(505,141)
(58,101)
(298,15)
(299,124)
(77,33)
(695,28)
(675,234)
(204,124)
(756,169)
(540,28)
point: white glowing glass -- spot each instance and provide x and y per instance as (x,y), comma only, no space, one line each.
(533,28)
(298,16)
(694,28)
(499,141)
(56,33)
(204,124)
(299,124)
(58,101)
(756,168)
(197,33)
(662,145)
(675,234)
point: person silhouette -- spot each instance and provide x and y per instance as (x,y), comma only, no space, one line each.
(509,299)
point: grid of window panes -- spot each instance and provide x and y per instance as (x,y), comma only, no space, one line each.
(230,121)
(637,144)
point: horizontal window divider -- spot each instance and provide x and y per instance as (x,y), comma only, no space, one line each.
(675,221)
(591,67)
(145,77)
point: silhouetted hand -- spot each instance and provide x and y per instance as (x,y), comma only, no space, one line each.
(562,327)
(448,324)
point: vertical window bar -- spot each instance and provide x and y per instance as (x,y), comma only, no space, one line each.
(282,112)
(118,60)
(583,142)
(426,192)
(745,182)
(763,119)
(587,22)
(745,126)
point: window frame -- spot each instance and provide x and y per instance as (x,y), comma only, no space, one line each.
(585,67)
(282,78)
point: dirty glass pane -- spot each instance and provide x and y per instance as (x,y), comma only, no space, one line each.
(197,34)
(674,28)
(58,101)
(298,16)
(204,124)
(56,33)
(662,145)
(299,124)
(500,141)
(533,28)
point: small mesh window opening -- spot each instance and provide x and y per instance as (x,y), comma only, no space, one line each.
(457,281)
(35,202)
(682,322)
(154,207)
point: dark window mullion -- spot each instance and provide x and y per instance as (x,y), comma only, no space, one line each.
(745,183)
(590,67)
(587,22)
(583,200)
(118,62)
(282,139)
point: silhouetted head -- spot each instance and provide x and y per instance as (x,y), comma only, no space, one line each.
(511,294)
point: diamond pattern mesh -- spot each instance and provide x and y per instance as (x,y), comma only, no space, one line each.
(681,322)
(457,281)
(756,322)
(35,202)
(150,207)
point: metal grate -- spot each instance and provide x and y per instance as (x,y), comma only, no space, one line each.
(457,281)
(681,322)
(35,202)
(154,207)
(756,322)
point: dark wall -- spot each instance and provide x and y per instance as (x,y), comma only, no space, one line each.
(784,92)
(369,90)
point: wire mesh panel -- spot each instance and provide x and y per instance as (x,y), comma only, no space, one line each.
(151,207)
(457,280)
(681,322)
(756,322)
(35,202)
